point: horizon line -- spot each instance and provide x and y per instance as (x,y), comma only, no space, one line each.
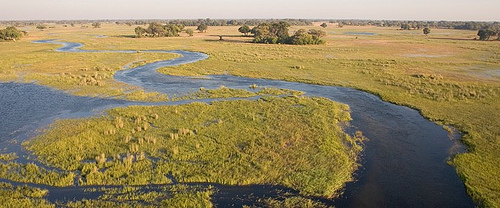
(308,19)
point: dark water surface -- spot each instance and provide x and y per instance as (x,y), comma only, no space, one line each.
(404,162)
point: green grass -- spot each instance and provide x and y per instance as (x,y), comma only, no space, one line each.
(295,201)
(23,196)
(224,92)
(32,173)
(168,196)
(290,141)
(126,196)
(89,74)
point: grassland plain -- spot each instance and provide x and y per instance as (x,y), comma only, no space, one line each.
(447,76)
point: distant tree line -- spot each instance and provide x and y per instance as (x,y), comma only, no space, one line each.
(277,33)
(465,25)
(186,22)
(11,33)
(238,22)
(406,25)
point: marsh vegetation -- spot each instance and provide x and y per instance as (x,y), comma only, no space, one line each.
(290,141)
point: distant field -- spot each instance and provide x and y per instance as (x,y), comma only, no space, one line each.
(448,76)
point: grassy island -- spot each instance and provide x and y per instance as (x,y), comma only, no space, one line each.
(296,142)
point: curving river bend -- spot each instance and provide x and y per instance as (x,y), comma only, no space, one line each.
(404,162)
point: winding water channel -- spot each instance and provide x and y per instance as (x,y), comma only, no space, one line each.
(403,165)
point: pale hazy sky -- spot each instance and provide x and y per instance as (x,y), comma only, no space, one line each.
(473,10)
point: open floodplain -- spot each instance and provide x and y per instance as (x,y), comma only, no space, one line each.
(96,117)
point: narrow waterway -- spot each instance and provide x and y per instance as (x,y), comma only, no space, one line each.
(404,162)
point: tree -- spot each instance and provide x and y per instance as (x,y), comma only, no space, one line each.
(244,29)
(263,35)
(11,33)
(41,27)
(180,26)
(202,27)
(406,26)
(485,34)
(96,24)
(317,33)
(280,29)
(189,32)
(139,32)
(427,31)
(324,25)
(172,30)
(277,32)
(303,37)
(156,29)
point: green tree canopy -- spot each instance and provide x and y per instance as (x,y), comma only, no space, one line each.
(406,26)
(96,24)
(172,30)
(317,33)
(180,26)
(485,34)
(427,31)
(202,27)
(324,25)
(244,29)
(303,37)
(189,32)
(139,32)
(277,32)
(157,29)
(280,29)
(11,33)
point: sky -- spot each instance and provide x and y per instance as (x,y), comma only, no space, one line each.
(460,10)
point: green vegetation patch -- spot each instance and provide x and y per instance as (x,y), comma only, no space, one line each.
(224,92)
(292,141)
(23,196)
(166,196)
(32,173)
(8,157)
(294,201)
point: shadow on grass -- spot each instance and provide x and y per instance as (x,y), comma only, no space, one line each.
(232,36)
(124,36)
(464,39)
(228,40)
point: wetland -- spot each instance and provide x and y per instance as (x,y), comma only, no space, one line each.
(220,149)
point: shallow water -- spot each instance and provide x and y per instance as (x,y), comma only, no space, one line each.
(404,162)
